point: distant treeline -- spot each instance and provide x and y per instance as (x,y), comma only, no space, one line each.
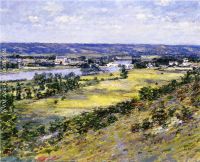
(49,57)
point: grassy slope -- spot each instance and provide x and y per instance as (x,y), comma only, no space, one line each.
(103,94)
(118,143)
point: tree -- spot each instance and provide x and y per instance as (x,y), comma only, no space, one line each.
(124,72)
(18,91)
(195,97)
(28,93)
(8,119)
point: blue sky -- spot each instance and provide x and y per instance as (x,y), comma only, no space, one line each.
(100,21)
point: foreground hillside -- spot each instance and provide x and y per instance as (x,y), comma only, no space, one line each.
(165,129)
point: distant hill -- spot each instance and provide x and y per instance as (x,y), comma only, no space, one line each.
(102,49)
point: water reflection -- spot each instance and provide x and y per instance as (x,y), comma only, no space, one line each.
(29,74)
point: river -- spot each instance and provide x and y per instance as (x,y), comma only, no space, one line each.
(28,75)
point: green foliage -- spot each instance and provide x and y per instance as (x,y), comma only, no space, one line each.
(148,93)
(185,114)
(8,120)
(124,72)
(111,119)
(171,111)
(41,129)
(28,93)
(57,83)
(55,102)
(146,124)
(140,65)
(18,91)
(195,99)
(159,116)
(63,97)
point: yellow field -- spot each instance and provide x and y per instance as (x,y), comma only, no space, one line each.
(105,93)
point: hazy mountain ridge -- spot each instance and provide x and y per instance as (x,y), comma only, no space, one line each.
(104,49)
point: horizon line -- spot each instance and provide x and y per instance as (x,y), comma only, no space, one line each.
(107,43)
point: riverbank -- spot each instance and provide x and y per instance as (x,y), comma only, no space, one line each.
(64,70)
(27,69)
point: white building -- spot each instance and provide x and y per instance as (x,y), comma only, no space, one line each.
(186,62)
(127,65)
(112,64)
(122,60)
(150,65)
(173,63)
(60,60)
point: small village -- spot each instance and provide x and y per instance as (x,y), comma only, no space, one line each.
(129,62)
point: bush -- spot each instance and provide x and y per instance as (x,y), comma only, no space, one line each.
(185,114)
(55,102)
(146,124)
(41,129)
(135,127)
(149,93)
(171,111)
(63,97)
(159,116)
(111,119)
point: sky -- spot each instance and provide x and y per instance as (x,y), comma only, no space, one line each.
(100,21)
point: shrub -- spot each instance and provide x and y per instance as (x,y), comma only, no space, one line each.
(111,119)
(185,114)
(146,124)
(170,97)
(149,93)
(63,97)
(55,102)
(124,72)
(171,111)
(159,116)
(41,129)
(96,79)
(135,127)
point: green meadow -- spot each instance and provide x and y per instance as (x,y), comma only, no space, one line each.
(105,93)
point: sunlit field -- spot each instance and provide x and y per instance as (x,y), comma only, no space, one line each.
(103,94)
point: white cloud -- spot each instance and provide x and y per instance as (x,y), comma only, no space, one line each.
(3,10)
(141,16)
(33,19)
(144,16)
(163,2)
(65,19)
(53,7)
